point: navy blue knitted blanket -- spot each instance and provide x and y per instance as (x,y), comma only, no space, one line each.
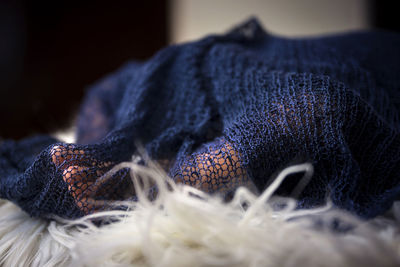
(225,111)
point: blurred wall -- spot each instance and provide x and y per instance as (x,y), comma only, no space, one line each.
(192,19)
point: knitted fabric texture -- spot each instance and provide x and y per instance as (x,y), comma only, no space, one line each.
(229,111)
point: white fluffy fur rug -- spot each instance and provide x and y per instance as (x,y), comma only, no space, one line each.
(185,227)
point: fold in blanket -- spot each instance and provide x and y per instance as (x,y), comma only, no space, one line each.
(228,111)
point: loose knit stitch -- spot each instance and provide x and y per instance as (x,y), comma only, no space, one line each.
(227,111)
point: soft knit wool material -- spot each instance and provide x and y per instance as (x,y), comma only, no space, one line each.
(227,111)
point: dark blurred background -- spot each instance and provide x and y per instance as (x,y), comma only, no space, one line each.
(50,51)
